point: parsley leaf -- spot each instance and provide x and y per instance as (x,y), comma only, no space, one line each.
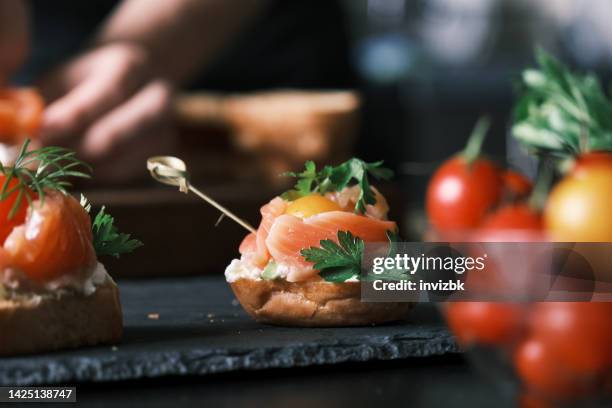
(394,274)
(393,238)
(330,179)
(107,240)
(305,181)
(337,262)
(340,261)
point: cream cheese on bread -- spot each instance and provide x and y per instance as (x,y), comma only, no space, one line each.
(242,269)
(239,269)
(12,288)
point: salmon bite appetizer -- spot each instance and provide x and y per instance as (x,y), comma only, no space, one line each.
(302,266)
(54,292)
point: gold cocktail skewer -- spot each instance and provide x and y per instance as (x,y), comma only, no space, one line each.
(173,171)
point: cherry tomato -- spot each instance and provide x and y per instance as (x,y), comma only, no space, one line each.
(540,371)
(460,193)
(519,216)
(8,127)
(8,223)
(580,333)
(516,185)
(485,322)
(20,114)
(578,208)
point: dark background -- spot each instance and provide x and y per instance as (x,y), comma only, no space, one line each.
(425,71)
(430,68)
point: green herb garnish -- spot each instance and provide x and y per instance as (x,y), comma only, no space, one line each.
(561,113)
(107,240)
(394,274)
(340,261)
(330,179)
(270,271)
(53,165)
(337,262)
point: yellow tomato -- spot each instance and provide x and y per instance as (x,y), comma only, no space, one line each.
(310,205)
(579,209)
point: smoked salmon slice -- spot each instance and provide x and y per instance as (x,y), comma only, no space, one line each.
(255,244)
(282,236)
(248,244)
(367,228)
(55,240)
(290,234)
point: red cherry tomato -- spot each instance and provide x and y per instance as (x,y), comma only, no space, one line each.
(460,194)
(8,223)
(485,322)
(518,216)
(516,185)
(580,333)
(540,371)
(21,111)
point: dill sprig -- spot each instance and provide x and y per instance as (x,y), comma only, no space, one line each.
(52,164)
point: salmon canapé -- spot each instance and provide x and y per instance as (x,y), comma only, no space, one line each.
(288,227)
(48,241)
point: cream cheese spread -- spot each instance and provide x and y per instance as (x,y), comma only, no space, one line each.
(88,287)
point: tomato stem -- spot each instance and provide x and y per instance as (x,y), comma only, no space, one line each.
(537,199)
(474,144)
(583,142)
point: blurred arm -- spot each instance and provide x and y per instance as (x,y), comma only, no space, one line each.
(14,36)
(181,36)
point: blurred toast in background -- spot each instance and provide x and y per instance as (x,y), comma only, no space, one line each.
(272,132)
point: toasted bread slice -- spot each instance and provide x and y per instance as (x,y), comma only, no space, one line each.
(51,322)
(315,304)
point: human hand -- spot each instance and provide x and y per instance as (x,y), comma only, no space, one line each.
(108,105)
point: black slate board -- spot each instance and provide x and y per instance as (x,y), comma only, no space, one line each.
(202,330)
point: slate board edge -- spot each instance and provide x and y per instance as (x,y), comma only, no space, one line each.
(113,367)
